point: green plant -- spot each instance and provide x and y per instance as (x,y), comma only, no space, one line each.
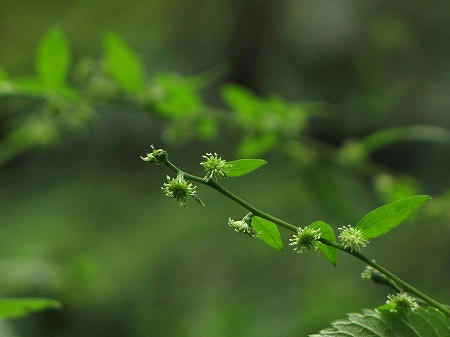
(65,97)
(319,236)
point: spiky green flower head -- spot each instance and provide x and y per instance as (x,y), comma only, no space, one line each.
(352,238)
(306,239)
(402,302)
(156,156)
(215,167)
(242,226)
(179,189)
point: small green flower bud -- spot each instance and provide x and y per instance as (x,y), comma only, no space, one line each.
(352,238)
(243,226)
(179,189)
(306,239)
(368,273)
(402,301)
(156,156)
(215,167)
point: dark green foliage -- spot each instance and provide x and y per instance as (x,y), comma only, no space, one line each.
(373,323)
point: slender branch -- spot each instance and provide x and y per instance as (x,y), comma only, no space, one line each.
(391,276)
(395,279)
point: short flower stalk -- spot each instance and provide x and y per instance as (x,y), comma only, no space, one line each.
(243,226)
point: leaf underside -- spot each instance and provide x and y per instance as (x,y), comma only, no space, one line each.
(373,323)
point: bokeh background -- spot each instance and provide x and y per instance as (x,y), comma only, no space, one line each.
(84,220)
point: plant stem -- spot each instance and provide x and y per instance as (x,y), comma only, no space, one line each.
(291,227)
(391,276)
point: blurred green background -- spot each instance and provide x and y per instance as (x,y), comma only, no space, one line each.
(84,220)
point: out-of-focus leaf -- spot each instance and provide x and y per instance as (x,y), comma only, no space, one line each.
(37,131)
(391,188)
(256,145)
(241,167)
(241,100)
(35,87)
(123,64)
(326,232)
(175,96)
(356,151)
(383,323)
(394,135)
(268,232)
(382,219)
(264,115)
(3,75)
(207,127)
(17,307)
(53,58)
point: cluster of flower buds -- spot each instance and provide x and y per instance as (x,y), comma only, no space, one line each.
(352,238)
(243,226)
(402,302)
(156,156)
(215,167)
(179,189)
(306,239)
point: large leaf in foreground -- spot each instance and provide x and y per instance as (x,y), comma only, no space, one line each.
(420,323)
(241,167)
(17,307)
(268,232)
(382,219)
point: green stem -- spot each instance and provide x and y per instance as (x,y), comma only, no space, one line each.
(391,276)
(293,228)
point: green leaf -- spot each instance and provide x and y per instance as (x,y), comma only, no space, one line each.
(257,145)
(383,323)
(241,167)
(176,96)
(268,232)
(3,75)
(53,58)
(17,307)
(390,136)
(391,188)
(326,232)
(382,219)
(123,64)
(241,100)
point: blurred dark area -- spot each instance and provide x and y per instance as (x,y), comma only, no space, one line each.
(84,221)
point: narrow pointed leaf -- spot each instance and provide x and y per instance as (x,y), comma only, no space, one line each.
(123,64)
(268,232)
(326,232)
(17,307)
(53,58)
(382,219)
(241,167)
